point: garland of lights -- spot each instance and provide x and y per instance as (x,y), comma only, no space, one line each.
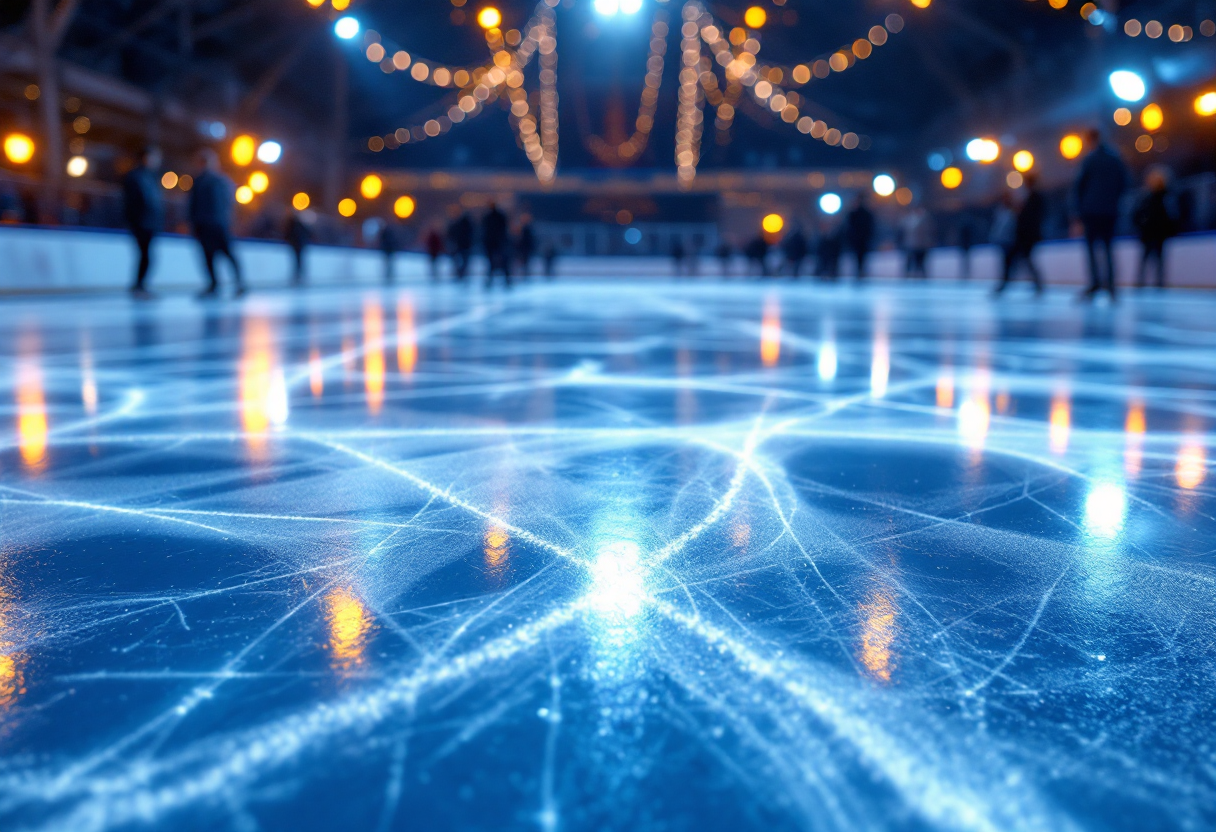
(689,118)
(630,149)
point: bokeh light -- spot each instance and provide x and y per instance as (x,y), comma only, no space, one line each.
(346,27)
(1127,85)
(773,223)
(1205,104)
(984,151)
(301,201)
(347,207)
(77,167)
(259,182)
(243,150)
(952,177)
(884,184)
(18,148)
(1123,116)
(371,186)
(404,207)
(489,18)
(169,180)
(1151,117)
(755,17)
(1071,146)
(269,152)
(830,203)
(244,194)
(1023,161)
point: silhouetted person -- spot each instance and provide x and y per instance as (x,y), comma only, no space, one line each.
(677,255)
(141,205)
(795,249)
(1099,187)
(1027,233)
(298,236)
(434,249)
(550,257)
(859,234)
(724,252)
(918,239)
(460,235)
(525,248)
(1155,225)
(756,253)
(211,201)
(390,244)
(495,239)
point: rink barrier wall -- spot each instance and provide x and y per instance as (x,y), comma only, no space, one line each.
(36,259)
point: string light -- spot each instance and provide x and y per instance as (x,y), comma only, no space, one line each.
(489,18)
(689,117)
(630,149)
(371,186)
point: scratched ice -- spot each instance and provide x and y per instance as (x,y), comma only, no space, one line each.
(594,557)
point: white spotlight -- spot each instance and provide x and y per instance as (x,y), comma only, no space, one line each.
(346,27)
(1127,85)
(77,166)
(884,185)
(608,7)
(269,152)
(830,203)
(631,6)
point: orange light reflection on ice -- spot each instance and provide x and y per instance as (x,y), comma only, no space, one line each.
(350,625)
(496,541)
(1134,428)
(878,633)
(1060,424)
(770,333)
(316,373)
(1191,467)
(373,354)
(407,338)
(880,366)
(31,414)
(945,390)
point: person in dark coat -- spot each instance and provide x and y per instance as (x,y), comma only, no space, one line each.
(434,249)
(795,249)
(1155,224)
(827,252)
(141,204)
(211,201)
(525,247)
(460,235)
(298,236)
(1096,194)
(859,233)
(390,244)
(495,239)
(756,253)
(677,255)
(724,252)
(1027,233)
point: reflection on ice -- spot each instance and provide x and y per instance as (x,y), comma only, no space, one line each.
(1191,468)
(1060,422)
(878,633)
(770,332)
(1134,427)
(618,587)
(1105,506)
(350,625)
(373,354)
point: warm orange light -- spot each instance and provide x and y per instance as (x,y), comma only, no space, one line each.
(489,18)
(1071,146)
(316,3)
(1023,161)
(373,354)
(316,373)
(259,404)
(1060,424)
(755,17)
(496,542)
(1123,116)
(407,337)
(1205,105)
(18,148)
(347,207)
(404,207)
(773,223)
(371,186)
(244,194)
(258,182)
(31,414)
(350,624)
(770,333)
(1151,117)
(945,391)
(952,177)
(300,201)
(878,633)
(243,150)
(921,4)
(1191,467)
(169,180)
(1134,427)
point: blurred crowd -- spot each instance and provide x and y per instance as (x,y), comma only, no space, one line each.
(1101,201)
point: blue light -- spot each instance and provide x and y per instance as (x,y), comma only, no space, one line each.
(939,159)
(830,203)
(346,27)
(1127,85)
(633,236)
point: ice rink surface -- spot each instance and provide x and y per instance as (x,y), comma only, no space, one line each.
(640,556)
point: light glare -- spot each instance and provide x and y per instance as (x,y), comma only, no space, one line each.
(346,27)
(1127,85)
(269,152)
(884,184)
(830,203)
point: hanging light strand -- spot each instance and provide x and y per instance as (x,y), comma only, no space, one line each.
(689,117)
(631,149)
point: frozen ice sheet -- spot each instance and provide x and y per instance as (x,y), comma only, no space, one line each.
(608,557)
